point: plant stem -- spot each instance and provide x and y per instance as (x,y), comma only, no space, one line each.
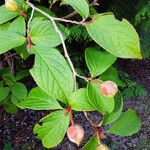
(97,134)
(61,37)
(52,19)
(71,117)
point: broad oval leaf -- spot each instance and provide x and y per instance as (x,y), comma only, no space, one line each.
(79,101)
(117,37)
(19,90)
(81,6)
(126,125)
(102,103)
(15,100)
(4,91)
(52,73)
(43,33)
(22,74)
(53,128)
(114,115)
(10,40)
(18,26)
(98,61)
(39,100)
(6,15)
(91,144)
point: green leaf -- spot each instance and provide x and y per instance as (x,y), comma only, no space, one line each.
(127,124)
(19,90)
(18,26)
(114,115)
(91,144)
(4,91)
(22,74)
(6,15)
(102,103)
(52,73)
(8,78)
(43,33)
(112,75)
(4,26)
(8,147)
(117,37)
(53,129)
(98,61)
(15,100)
(11,108)
(81,6)
(79,101)
(10,40)
(22,50)
(39,100)
(1,83)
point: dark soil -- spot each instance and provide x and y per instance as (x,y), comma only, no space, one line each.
(17,129)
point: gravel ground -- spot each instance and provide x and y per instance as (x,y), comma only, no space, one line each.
(17,129)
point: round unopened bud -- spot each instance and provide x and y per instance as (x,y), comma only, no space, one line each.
(75,134)
(109,88)
(11,5)
(102,147)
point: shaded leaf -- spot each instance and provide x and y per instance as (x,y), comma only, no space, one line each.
(126,125)
(114,115)
(23,73)
(4,91)
(19,90)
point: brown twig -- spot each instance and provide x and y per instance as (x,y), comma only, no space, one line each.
(91,122)
(11,55)
(10,62)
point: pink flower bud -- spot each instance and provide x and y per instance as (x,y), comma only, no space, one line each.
(102,147)
(11,5)
(75,134)
(109,88)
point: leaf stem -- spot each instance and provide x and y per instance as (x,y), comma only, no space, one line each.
(69,110)
(71,117)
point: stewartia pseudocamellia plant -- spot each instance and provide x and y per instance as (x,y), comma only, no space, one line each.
(40,33)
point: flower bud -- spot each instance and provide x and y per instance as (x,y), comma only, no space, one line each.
(102,147)
(75,134)
(11,5)
(109,88)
